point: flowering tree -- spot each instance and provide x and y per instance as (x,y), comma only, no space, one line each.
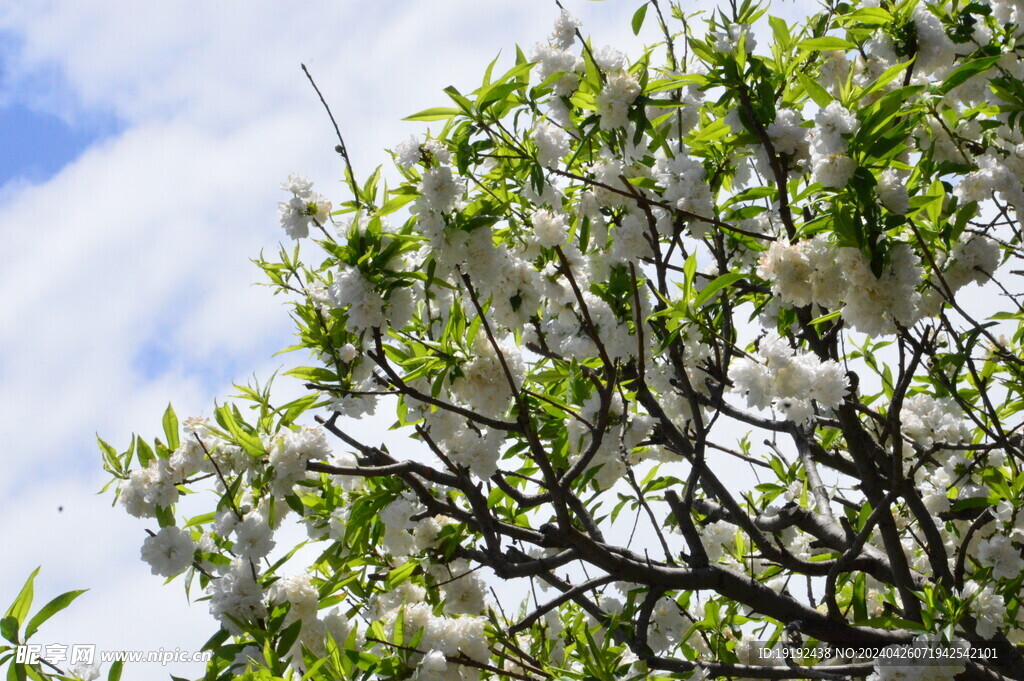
(701,356)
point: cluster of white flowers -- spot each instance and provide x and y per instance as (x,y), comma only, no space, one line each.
(299,592)
(995,174)
(814,271)
(728,40)
(564,32)
(443,638)
(396,518)
(835,68)
(975,259)
(440,189)
(552,60)
(169,552)
(551,141)
(507,278)
(632,240)
(549,228)
(147,488)
(892,191)
(412,151)
(1000,553)
(156,485)
(936,53)
(667,625)
(354,292)
(873,303)
(660,377)
(565,331)
(788,379)
(829,163)
(610,59)
(878,54)
(254,537)
(305,207)
(290,451)
(465,592)
(466,445)
(624,433)
(483,384)
(803,273)
(683,180)
(236,595)
(403,537)
(719,540)
(927,420)
(787,134)
(619,92)
(987,606)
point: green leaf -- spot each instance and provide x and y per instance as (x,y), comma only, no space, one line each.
(818,94)
(937,194)
(316,374)
(143,452)
(20,607)
(51,609)
(437,113)
(16,672)
(394,204)
(974,502)
(780,31)
(115,671)
(965,71)
(171,427)
(826,318)
(638,19)
(288,637)
(401,574)
(9,629)
(875,16)
(887,77)
(249,442)
(689,271)
(825,43)
(398,633)
(716,285)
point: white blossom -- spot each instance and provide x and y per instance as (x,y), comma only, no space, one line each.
(552,143)
(1002,555)
(564,32)
(786,133)
(987,606)
(555,60)
(618,93)
(235,594)
(789,379)
(892,192)
(974,259)
(304,208)
(253,537)
(549,228)
(169,552)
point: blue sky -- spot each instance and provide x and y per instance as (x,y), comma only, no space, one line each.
(36,144)
(42,128)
